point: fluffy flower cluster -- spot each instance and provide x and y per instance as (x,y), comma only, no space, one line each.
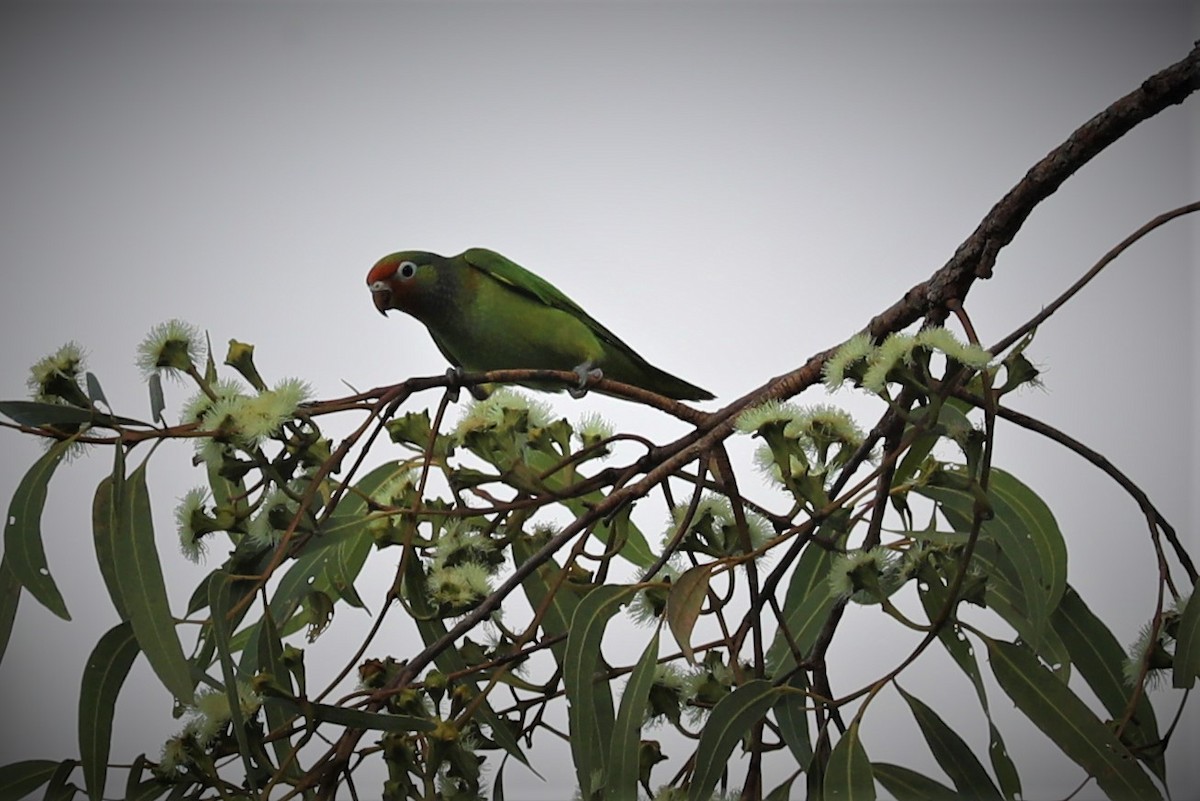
(494,411)
(209,714)
(877,362)
(247,419)
(56,378)
(172,348)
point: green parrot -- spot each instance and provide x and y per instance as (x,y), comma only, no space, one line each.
(485,312)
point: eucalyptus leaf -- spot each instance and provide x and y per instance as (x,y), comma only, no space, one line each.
(23,550)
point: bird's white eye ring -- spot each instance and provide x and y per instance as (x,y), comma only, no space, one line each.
(407,269)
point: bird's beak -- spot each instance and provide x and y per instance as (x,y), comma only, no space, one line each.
(383,299)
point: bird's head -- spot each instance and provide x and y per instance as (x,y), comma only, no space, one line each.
(405,281)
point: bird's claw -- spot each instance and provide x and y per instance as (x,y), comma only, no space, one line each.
(454,378)
(588,375)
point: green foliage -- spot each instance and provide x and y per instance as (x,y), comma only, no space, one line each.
(508,511)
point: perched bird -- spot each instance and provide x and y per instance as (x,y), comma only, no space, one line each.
(485,312)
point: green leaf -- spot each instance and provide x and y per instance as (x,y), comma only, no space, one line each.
(270,659)
(848,776)
(792,718)
(1026,537)
(1099,658)
(1068,722)
(684,601)
(783,792)
(933,595)
(58,788)
(1006,598)
(806,606)
(590,712)
(103,675)
(104,529)
(219,604)
(1187,646)
(94,390)
(908,785)
(138,790)
(141,587)
(537,588)
(19,779)
(289,592)
(37,415)
(330,561)
(627,733)
(350,718)
(350,519)
(953,754)
(731,719)
(10,597)
(23,532)
(157,402)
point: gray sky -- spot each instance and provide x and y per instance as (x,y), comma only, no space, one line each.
(730,187)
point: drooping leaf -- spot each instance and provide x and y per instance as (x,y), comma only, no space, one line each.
(933,594)
(219,605)
(559,605)
(1026,539)
(848,776)
(792,719)
(1068,722)
(289,593)
(270,659)
(103,675)
(104,528)
(783,792)
(10,597)
(19,779)
(143,591)
(684,601)
(59,788)
(908,785)
(350,554)
(1099,659)
(589,712)
(1006,598)
(806,606)
(23,549)
(137,789)
(733,717)
(952,753)
(1187,646)
(627,732)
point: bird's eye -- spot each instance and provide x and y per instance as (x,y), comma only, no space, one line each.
(407,269)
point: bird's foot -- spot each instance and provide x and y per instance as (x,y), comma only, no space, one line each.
(454,377)
(588,375)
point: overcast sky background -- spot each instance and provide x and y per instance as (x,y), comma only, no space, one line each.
(730,187)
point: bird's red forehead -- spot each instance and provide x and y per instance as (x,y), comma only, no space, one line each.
(383,270)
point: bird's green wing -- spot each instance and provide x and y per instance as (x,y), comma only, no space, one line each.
(521,280)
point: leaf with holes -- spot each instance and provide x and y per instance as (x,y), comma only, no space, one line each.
(23,549)
(1068,721)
